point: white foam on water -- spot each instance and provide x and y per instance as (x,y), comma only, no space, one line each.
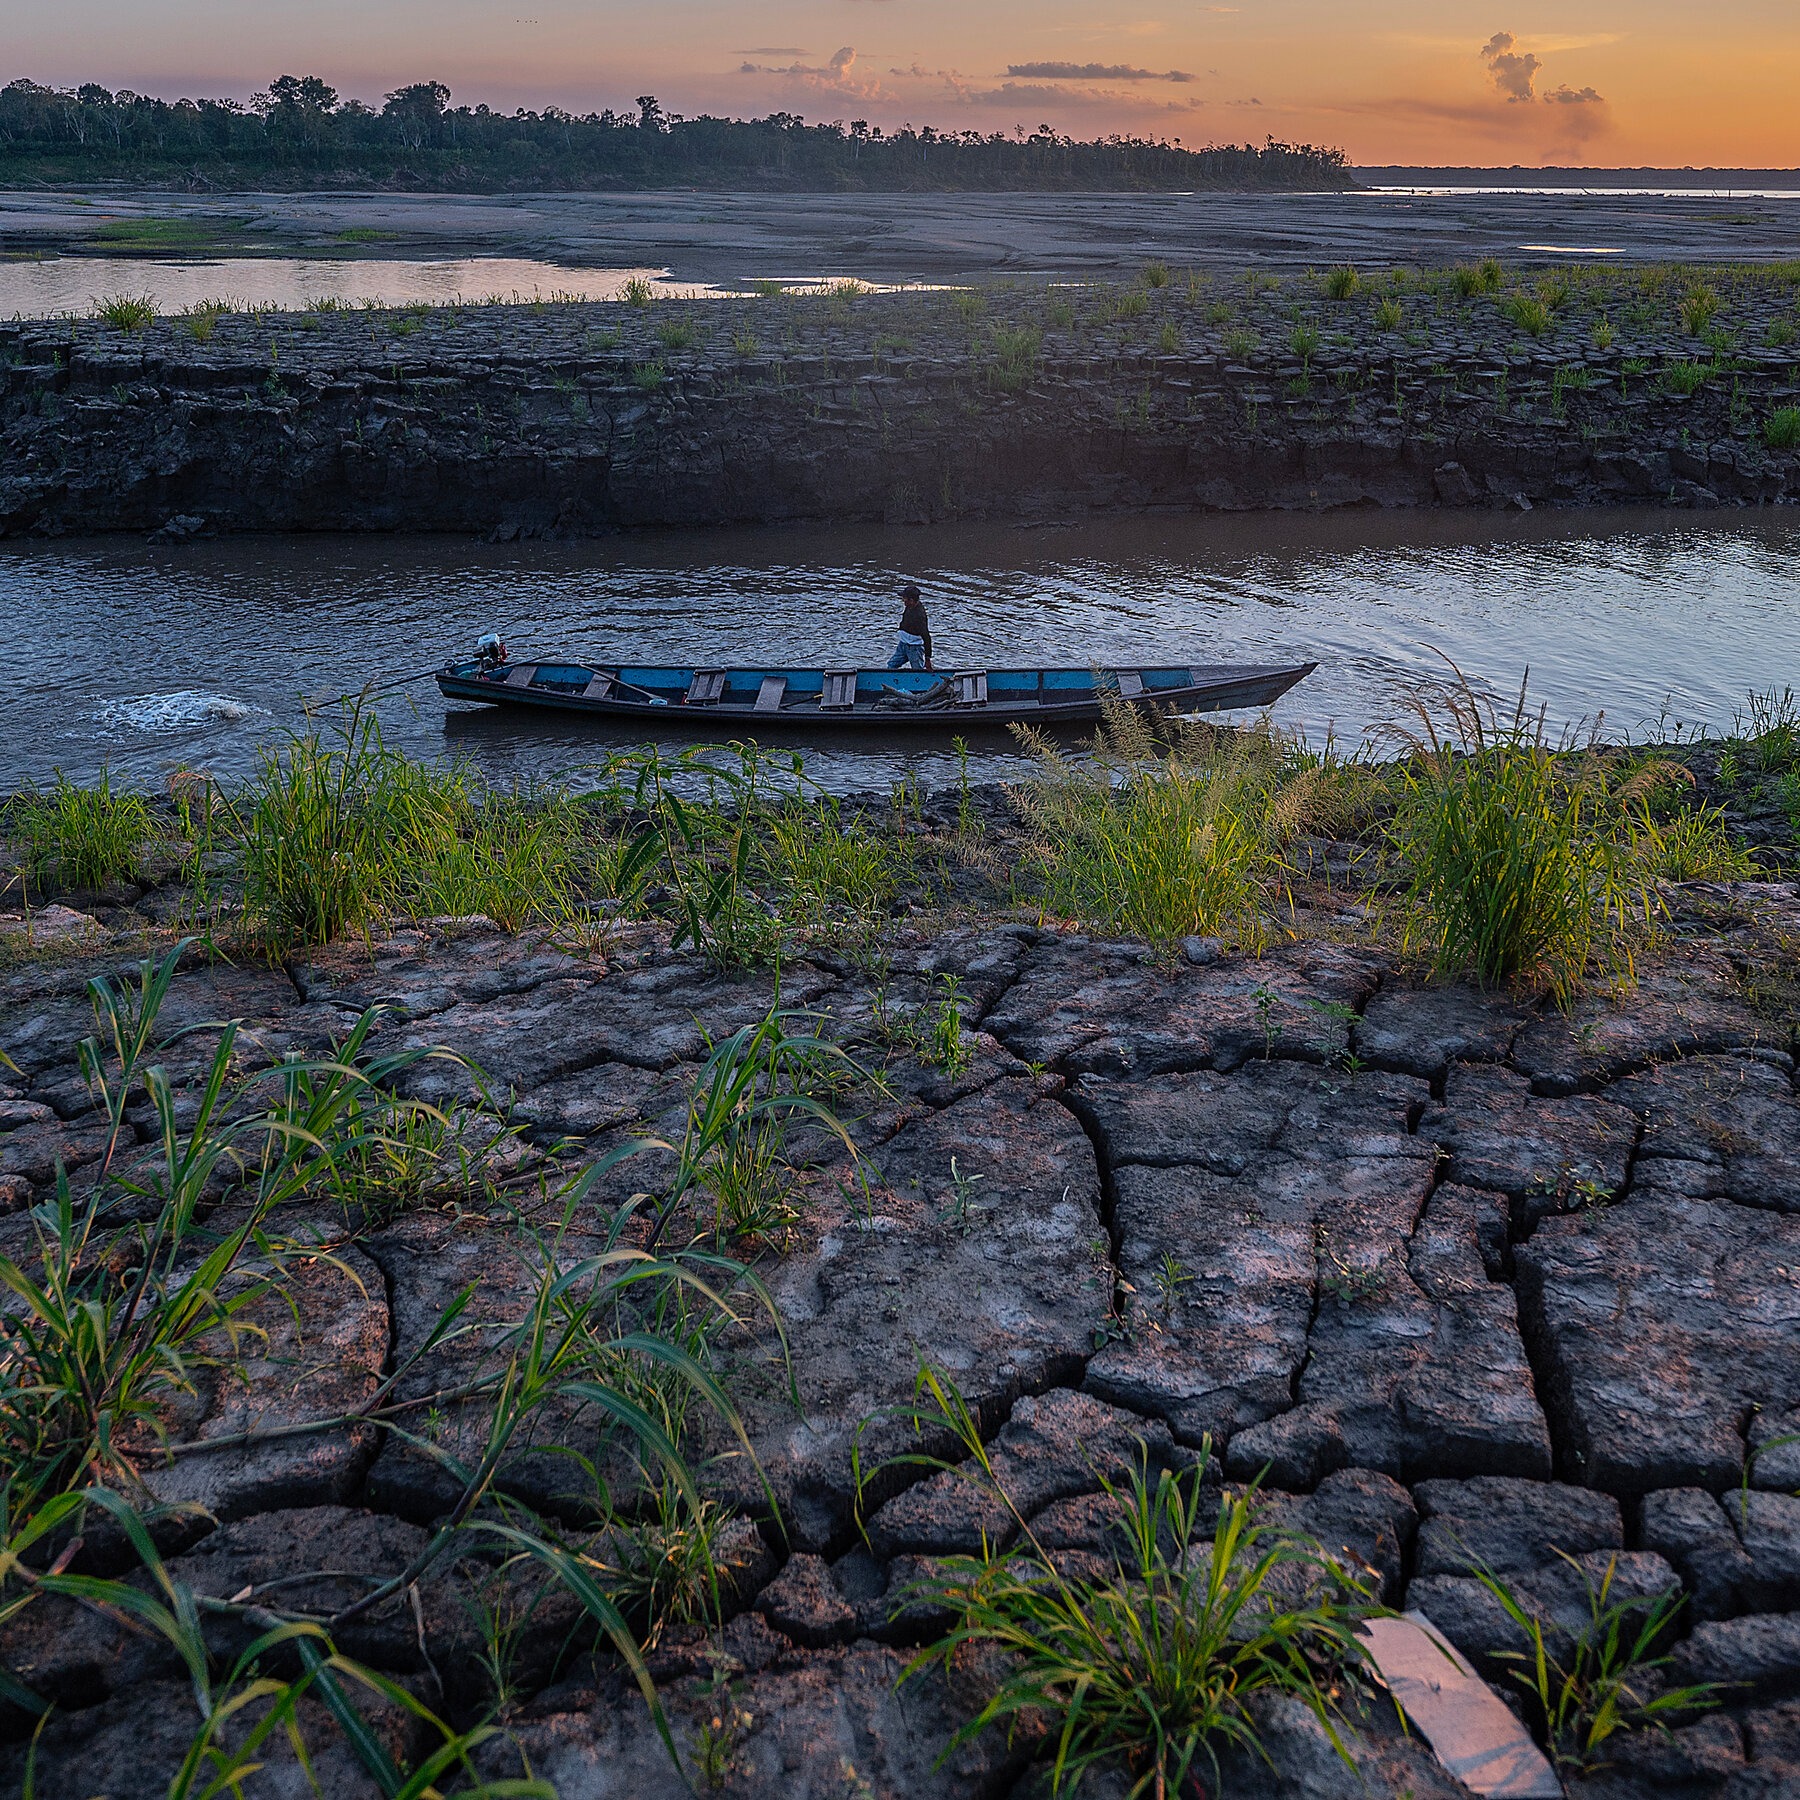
(177,712)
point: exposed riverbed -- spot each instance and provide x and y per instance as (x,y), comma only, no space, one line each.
(144,658)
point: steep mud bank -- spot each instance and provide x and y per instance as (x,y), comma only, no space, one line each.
(579,418)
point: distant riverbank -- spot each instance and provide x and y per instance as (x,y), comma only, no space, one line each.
(1470,386)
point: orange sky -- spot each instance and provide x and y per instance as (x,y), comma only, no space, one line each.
(1650,82)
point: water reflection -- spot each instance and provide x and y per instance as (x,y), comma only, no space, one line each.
(70,284)
(146,658)
(73,284)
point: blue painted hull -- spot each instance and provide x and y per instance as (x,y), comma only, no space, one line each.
(880,699)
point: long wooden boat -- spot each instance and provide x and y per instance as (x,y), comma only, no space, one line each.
(758,699)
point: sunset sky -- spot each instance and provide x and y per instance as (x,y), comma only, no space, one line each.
(1644,82)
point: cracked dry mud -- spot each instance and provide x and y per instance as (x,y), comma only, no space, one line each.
(1470,1278)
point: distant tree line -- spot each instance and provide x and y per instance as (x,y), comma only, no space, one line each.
(300,131)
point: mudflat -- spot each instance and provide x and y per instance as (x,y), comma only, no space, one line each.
(722,238)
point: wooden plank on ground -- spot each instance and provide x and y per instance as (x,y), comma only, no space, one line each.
(1469,1727)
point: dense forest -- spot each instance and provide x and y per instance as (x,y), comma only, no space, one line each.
(300,133)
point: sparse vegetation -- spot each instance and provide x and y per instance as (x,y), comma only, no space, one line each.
(1517,867)
(1781,429)
(117,1325)
(1608,1679)
(1153,1663)
(1529,314)
(126,312)
(1699,307)
(83,837)
(1015,355)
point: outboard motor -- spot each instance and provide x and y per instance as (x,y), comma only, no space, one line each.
(490,652)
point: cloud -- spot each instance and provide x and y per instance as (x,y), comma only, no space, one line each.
(1568,96)
(1513,72)
(839,75)
(958,90)
(773,50)
(1068,71)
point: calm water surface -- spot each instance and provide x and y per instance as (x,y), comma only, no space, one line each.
(146,659)
(76,284)
(73,284)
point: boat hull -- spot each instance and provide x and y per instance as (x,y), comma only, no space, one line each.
(658,697)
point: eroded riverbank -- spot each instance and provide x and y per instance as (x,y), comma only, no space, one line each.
(1660,385)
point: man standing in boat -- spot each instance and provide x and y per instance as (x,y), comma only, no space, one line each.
(913,648)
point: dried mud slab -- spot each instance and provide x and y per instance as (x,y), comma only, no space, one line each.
(429,1259)
(1509,1525)
(418,973)
(650,1019)
(1423,1374)
(1660,1324)
(822,1725)
(1718,1128)
(1270,1224)
(1544,1154)
(1004,1294)
(134,1748)
(1422,1030)
(1690,1010)
(1097,1008)
(314,1349)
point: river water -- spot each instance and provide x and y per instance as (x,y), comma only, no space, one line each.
(77,284)
(145,659)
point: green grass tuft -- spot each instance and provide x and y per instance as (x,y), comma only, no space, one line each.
(1152,1664)
(89,837)
(1139,840)
(1781,429)
(1609,1677)
(1699,305)
(126,312)
(1528,313)
(1516,875)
